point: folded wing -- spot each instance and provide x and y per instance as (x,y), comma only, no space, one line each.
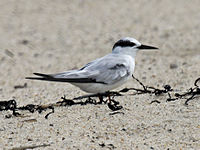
(105,70)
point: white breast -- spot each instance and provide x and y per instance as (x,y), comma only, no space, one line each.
(98,87)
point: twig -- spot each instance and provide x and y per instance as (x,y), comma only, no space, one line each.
(155,101)
(20,86)
(30,147)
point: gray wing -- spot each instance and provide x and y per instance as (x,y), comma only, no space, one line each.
(109,69)
(105,70)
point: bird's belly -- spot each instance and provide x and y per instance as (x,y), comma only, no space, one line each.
(98,87)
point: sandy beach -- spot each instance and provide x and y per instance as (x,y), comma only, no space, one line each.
(55,36)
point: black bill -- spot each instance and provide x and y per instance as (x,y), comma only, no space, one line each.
(146,47)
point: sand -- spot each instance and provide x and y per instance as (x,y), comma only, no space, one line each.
(53,36)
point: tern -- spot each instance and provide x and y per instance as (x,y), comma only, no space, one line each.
(105,73)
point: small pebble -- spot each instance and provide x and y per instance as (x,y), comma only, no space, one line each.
(24,42)
(173,66)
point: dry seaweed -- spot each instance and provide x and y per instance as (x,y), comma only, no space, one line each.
(189,95)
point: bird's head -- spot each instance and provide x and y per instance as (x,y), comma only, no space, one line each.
(129,46)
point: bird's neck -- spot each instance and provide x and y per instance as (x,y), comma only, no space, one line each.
(125,51)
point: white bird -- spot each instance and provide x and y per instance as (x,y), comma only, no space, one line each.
(105,73)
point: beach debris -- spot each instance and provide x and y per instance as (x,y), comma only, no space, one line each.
(173,66)
(155,101)
(109,146)
(24,42)
(9,53)
(113,105)
(20,86)
(30,147)
(191,93)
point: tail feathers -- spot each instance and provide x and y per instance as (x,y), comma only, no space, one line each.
(35,78)
(43,77)
(46,77)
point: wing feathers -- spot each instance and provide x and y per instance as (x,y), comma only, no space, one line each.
(46,77)
(43,75)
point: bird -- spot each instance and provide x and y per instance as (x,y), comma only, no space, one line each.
(103,74)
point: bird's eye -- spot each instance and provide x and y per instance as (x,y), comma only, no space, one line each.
(123,43)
